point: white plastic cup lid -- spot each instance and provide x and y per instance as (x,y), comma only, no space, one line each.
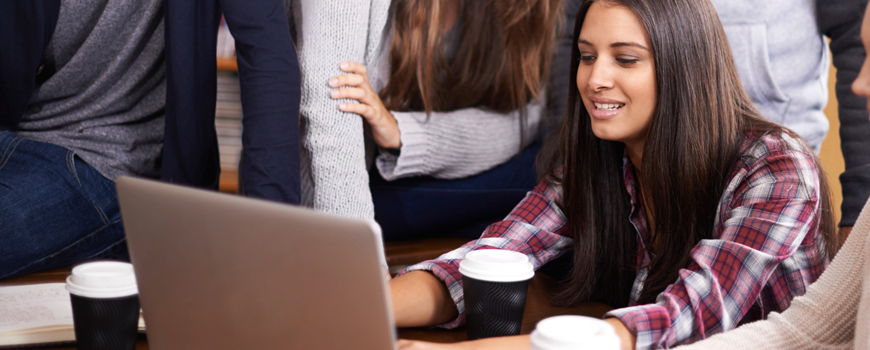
(496,265)
(102,279)
(574,332)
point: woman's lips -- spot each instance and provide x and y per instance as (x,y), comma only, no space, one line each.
(605,109)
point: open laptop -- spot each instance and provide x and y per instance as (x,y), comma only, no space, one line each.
(217,271)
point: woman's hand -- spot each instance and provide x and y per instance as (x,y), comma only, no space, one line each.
(385,130)
(403,344)
(519,342)
(626,338)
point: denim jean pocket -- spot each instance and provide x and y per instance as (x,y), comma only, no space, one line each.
(71,165)
(92,185)
(8,143)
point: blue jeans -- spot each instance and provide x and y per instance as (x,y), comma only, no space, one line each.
(421,207)
(55,210)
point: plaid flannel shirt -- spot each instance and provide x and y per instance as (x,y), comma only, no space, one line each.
(763,253)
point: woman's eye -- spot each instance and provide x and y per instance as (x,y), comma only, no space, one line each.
(586,58)
(626,61)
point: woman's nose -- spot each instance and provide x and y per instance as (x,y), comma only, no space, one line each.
(600,76)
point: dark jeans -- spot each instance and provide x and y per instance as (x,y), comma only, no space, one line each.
(421,207)
(55,210)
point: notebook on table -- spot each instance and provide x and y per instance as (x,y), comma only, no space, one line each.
(218,271)
(37,316)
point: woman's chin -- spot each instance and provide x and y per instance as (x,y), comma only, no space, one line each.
(605,133)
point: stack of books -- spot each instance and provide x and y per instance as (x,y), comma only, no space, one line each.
(228,109)
(228,120)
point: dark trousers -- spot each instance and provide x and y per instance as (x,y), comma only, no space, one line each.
(421,207)
(55,209)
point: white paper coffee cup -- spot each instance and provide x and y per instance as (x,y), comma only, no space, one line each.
(102,279)
(574,332)
(494,283)
(105,305)
(497,265)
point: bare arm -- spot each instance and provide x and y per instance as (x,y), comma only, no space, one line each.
(626,338)
(517,342)
(421,299)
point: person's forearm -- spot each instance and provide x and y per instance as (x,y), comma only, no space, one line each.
(421,299)
(516,342)
(626,338)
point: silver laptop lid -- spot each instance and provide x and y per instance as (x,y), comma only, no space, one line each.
(217,271)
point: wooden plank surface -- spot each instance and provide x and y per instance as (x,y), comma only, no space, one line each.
(227,64)
(229,181)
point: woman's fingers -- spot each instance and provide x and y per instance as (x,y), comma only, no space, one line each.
(385,129)
(347,80)
(354,93)
(403,344)
(363,95)
(353,67)
(358,108)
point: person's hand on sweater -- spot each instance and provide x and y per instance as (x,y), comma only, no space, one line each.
(384,128)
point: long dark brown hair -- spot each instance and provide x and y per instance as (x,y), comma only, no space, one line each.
(701,118)
(501,63)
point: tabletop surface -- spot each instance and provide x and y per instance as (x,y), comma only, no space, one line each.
(538,307)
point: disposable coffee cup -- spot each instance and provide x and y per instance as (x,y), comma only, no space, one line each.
(495,283)
(105,305)
(574,332)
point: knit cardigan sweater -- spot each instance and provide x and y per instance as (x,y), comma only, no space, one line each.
(833,314)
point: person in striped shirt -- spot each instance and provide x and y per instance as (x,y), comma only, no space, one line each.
(686,210)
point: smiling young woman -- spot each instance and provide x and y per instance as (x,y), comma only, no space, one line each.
(686,210)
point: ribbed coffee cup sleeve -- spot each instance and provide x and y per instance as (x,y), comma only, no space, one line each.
(105,323)
(494,309)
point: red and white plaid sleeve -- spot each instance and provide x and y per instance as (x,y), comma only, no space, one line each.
(536,227)
(766,248)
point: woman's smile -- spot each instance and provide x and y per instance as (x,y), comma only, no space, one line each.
(605,108)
